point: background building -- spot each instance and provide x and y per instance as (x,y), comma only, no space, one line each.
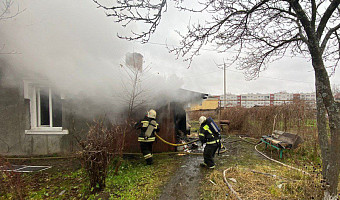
(250,100)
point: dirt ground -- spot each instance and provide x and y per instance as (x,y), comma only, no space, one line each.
(184,184)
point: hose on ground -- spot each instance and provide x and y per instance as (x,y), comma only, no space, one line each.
(279,161)
(247,141)
(229,185)
(271,159)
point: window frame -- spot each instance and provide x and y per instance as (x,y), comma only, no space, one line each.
(31,90)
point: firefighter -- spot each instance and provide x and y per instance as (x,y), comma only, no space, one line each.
(148,127)
(212,143)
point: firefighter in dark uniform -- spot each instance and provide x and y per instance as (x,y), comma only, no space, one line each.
(212,143)
(146,137)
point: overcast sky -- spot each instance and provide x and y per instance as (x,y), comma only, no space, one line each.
(79,31)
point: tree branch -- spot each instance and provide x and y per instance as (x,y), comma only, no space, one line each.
(328,13)
(303,38)
(314,11)
(138,10)
(328,35)
(303,18)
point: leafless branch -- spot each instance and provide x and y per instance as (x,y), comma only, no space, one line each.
(314,11)
(328,13)
(328,35)
(7,4)
(143,11)
(240,26)
(303,38)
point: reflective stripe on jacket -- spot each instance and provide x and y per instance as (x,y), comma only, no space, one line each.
(150,139)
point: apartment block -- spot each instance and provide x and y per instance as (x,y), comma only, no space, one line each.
(250,100)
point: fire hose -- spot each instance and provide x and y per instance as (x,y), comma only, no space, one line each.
(279,161)
(229,185)
(177,145)
(271,159)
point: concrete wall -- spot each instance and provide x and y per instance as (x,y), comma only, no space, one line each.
(15,119)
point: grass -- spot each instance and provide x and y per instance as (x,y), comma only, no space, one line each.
(138,181)
(134,181)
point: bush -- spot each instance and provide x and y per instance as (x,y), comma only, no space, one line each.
(258,121)
(102,144)
(12,184)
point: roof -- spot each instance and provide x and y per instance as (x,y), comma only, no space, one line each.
(191,96)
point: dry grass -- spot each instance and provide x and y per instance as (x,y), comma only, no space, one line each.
(285,184)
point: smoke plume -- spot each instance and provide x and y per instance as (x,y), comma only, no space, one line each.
(71,45)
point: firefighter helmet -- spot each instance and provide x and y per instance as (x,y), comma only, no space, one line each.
(201,120)
(152,114)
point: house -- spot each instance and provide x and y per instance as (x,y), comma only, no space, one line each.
(37,119)
(207,104)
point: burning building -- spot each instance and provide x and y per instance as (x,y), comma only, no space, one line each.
(36,118)
(173,119)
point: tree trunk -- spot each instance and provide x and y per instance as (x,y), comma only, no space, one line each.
(330,149)
(322,132)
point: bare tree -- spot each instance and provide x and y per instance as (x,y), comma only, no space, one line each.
(261,31)
(7,13)
(134,94)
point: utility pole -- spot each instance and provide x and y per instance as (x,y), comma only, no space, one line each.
(225,85)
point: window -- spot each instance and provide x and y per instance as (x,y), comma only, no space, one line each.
(49,108)
(45,109)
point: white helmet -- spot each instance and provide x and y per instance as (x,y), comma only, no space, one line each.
(152,114)
(201,120)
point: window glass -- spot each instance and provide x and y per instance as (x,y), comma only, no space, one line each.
(44,107)
(56,110)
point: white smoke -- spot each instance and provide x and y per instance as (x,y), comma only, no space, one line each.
(73,46)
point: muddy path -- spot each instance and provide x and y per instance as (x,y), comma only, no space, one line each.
(185,182)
